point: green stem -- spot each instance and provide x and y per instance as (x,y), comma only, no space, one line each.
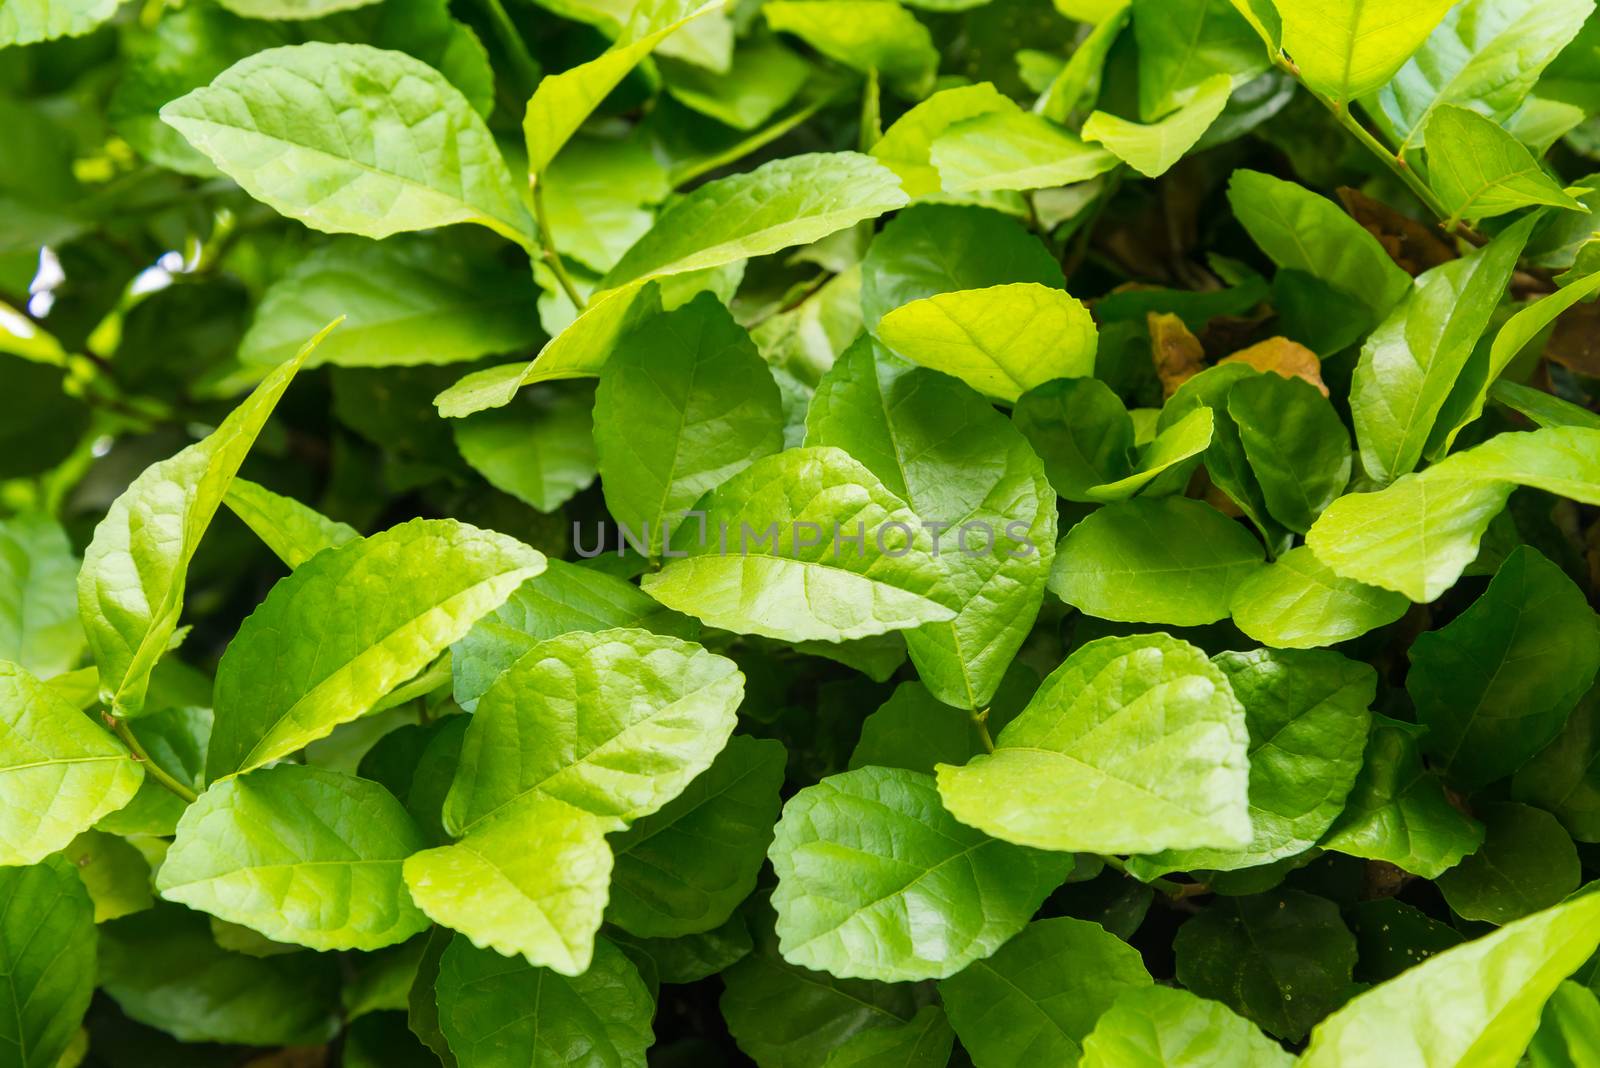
(505,31)
(1176,891)
(871,112)
(981,721)
(547,243)
(120,728)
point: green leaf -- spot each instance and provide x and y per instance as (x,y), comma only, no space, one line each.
(294,532)
(1419,534)
(1526,863)
(1564,777)
(1155,560)
(785,1016)
(1132,745)
(39,627)
(1345,49)
(1567,1030)
(1081,431)
(1301,231)
(1477,1004)
(1308,720)
(1497,682)
(764,77)
(786,563)
(408,301)
(1542,408)
(1013,150)
(1479,170)
(299,854)
(59,770)
(496,1012)
(929,249)
(28,21)
(347,627)
(684,869)
(791,201)
(906,147)
(541,451)
(1397,811)
(1002,341)
(876,880)
(1485,55)
(598,194)
(1183,45)
(1297,602)
(1295,443)
(866,35)
(276,124)
(562,598)
(115,873)
(924,1042)
(1039,996)
(1281,959)
(1159,1027)
(1152,149)
(563,102)
(928,437)
(683,405)
(162,969)
(130,590)
(47,960)
(1411,362)
(290,9)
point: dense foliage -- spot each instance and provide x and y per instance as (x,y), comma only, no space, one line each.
(991,533)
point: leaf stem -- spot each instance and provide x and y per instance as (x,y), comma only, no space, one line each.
(981,721)
(547,247)
(1176,891)
(505,31)
(120,728)
(871,112)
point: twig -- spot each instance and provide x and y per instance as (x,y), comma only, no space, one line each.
(547,244)
(120,728)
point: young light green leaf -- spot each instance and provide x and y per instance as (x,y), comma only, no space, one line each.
(301,855)
(1526,863)
(1497,682)
(1419,534)
(541,451)
(1013,150)
(25,22)
(616,723)
(1307,716)
(1185,44)
(682,406)
(1295,443)
(684,869)
(130,590)
(39,626)
(1479,170)
(1475,1005)
(906,147)
(47,945)
(1543,409)
(1410,364)
(1171,447)
(532,882)
(294,532)
(867,35)
(1155,560)
(763,78)
(929,249)
(59,770)
(497,1012)
(1297,602)
(1132,745)
(924,435)
(1569,1029)
(807,545)
(1152,149)
(1002,341)
(1160,1027)
(348,626)
(277,123)
(1486,55)
(1038,997)
(1282,959)
(1301,231)
(1345,49)
(864,857)
(115,873)
(1398,812)
(406,301)
(790,201)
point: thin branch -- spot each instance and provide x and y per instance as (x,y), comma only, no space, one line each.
(120,728)
(547,243)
